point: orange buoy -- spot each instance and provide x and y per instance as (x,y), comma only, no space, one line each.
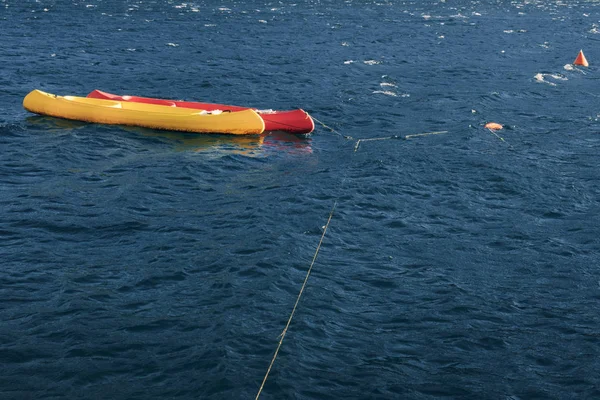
(581,60)
(493,126)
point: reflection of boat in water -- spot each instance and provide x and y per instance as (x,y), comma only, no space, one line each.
(250,145)
(253,146)
(54,124)
(239,144)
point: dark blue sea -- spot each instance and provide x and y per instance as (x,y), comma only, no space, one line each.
(145,264)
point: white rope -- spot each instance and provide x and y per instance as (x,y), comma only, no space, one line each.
(499,137)
(396,137)
(289,321)
(297,301)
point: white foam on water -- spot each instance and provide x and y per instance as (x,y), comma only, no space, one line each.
(571,67)
(544,78)
(372,62)
(386,92)
(540,78)
(390,92)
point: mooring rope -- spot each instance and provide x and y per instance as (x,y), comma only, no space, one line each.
(297,301)
(314,259)
(424,134)
(331,129)
(500,137)
(396,137)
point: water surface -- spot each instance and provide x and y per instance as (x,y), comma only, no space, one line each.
(140,264)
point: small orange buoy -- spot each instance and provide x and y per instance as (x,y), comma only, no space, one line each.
(581,60)
(493,126)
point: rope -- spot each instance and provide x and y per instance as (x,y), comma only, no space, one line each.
(424,134)
(397,137)
(499,137)
(331,129)
(297,301)
(289,321)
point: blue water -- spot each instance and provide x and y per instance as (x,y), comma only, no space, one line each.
(140,264)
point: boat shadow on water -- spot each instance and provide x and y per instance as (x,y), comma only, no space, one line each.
(52,124)
(248,145)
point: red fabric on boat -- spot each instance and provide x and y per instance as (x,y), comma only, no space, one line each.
(293,121)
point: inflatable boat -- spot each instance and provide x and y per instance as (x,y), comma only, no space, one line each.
(295,121)
(148,115)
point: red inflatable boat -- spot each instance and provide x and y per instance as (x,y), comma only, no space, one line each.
(293,121)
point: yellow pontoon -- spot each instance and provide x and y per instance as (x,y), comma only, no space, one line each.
(246,122)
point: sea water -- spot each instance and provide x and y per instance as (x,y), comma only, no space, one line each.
(141,264)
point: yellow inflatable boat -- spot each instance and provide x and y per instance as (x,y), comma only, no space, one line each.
(246,122)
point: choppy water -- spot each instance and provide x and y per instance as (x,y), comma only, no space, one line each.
(139,264)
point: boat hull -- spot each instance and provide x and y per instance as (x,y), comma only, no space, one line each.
(244,122)
(293,121)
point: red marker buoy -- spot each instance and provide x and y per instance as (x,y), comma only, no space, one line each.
(581,60)
(493,126)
